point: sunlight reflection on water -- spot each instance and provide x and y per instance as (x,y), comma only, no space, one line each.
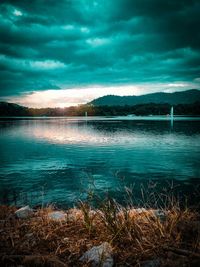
(63,155)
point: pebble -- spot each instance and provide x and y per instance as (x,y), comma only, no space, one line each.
(99,255)
(24,212)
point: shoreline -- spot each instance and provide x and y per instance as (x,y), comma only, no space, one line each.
(109,117)
(130,236)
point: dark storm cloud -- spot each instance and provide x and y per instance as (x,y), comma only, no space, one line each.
(67,43)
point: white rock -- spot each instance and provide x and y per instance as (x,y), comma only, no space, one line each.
(29,235)
(161,215)
(24,213)
(140,210)
(92,213)
(57,215)
(99,255)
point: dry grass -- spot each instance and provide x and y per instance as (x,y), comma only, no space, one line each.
(135,235)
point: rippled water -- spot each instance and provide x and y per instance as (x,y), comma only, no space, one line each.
(59,159)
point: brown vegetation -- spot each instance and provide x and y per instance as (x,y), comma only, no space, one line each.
(136,235)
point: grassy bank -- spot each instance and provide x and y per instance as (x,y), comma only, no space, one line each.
(137,236)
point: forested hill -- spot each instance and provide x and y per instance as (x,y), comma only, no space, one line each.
(185,103)
(9,110)
(184,97)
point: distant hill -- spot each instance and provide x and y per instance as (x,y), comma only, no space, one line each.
(11,109)
(185,103)
(184,97)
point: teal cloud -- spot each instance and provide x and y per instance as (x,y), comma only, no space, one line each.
(62,44)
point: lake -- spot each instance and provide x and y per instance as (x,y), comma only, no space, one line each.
(61,160)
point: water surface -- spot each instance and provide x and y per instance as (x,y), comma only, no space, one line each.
(58,160)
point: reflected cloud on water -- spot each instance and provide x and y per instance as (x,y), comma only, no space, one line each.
(64,155)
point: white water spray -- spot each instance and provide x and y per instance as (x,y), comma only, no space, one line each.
(172,115)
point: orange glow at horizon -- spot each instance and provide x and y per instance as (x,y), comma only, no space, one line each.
(76,96)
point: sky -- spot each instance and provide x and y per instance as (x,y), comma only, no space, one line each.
(68,52)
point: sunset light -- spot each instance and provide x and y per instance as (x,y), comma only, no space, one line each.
(100,133)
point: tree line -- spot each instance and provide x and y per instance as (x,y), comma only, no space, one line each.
(142,109)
